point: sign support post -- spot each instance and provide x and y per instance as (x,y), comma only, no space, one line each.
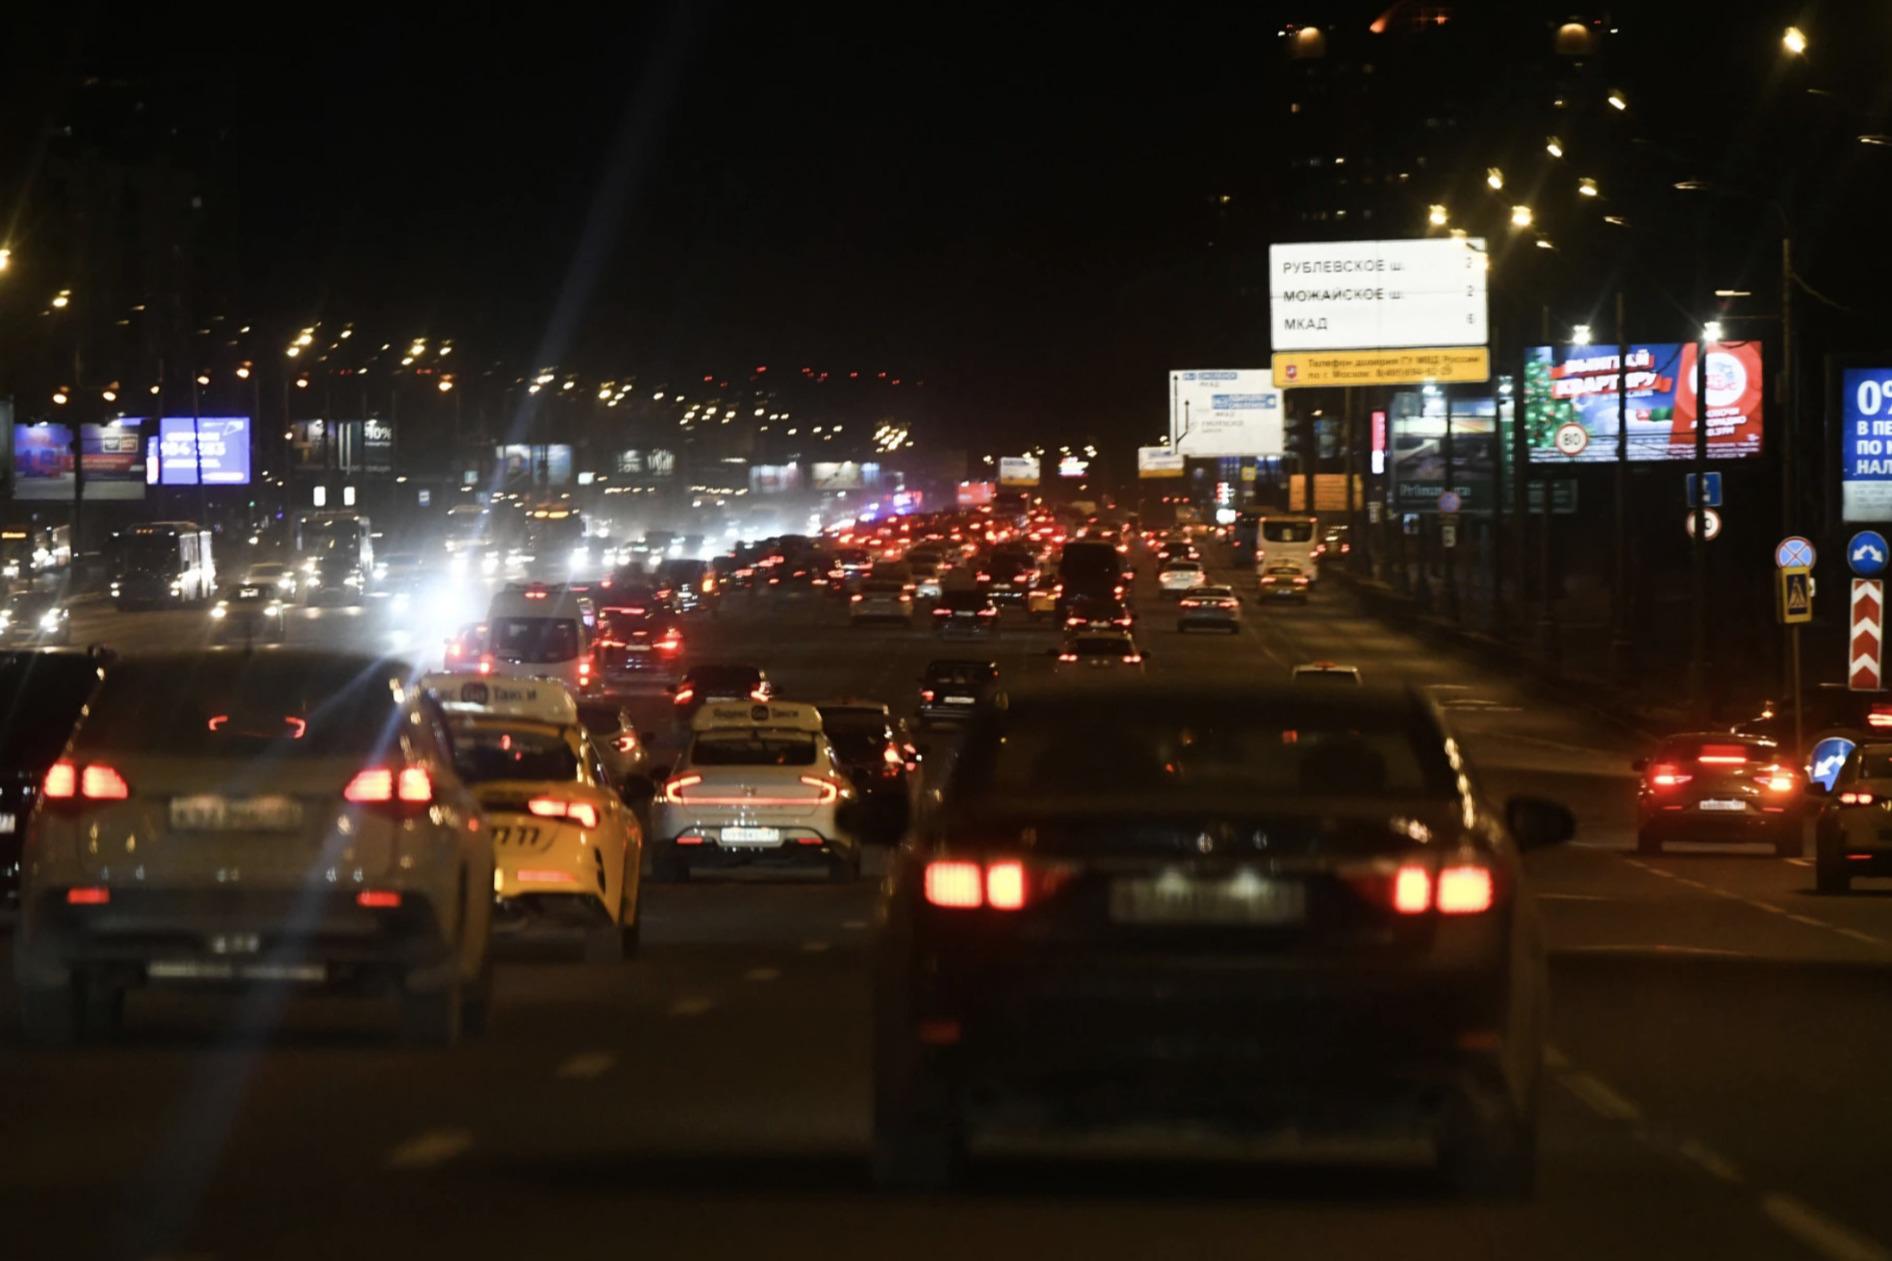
(1698,545)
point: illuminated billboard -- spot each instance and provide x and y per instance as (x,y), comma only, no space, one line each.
(1570,401)
(218,445)
(1224,412)
(112,455)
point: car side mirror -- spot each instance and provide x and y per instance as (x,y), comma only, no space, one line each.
(1536,822)
(1817,789)
(1640,764)
(637,789)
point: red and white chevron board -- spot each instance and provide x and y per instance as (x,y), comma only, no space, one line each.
(1865,666)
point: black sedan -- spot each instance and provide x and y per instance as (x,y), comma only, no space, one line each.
(1270,915)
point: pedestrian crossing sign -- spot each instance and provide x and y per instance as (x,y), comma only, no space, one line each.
(1795,595)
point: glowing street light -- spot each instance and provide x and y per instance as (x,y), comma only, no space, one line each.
(203,378)
(6,258)
(1554,147)
(1794,40)
(1521,216)
(293,351)
(110,396)
(1617,100)
(446,385)
(1586,187)
(62,299)
(243,372)
(1435,215)
(1494,177)
(59,397)
(1580,335)
(1711,331)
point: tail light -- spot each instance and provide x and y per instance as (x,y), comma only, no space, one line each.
(1667,775)
(1722,755)
(1776,780)
(988,612)
(96,782)
(88,895)
(673,788)
(1458,889)
(379,785)
(486,665)
(1879,716)
(891,755)
(1856,799)
(378,899)
(760,693)
(926,694)
(583,813)
(584,671)
(1133,659)
(963,885)
(984,578)
(939,612)
(854,599)
(826,790)
(626,743)
(671,642)
(1067,656)
(685,695)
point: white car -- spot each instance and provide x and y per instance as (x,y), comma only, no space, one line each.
(1217,608)
(1092,649)
(1327,672)
(541,631)
(1178,576)
(758,784)
(567,849)
(879,601)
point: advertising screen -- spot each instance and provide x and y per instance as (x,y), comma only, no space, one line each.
(542,464)
(646,464)
(774,479)
(1865,444)
(1224,411)
(1570,401)
(843,475)
(1018,470)
(1159,462)
(220,445)
(973,494)
(1377,295)
(114,466)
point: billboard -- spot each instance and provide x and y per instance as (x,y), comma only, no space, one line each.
(1224,411)
(653,464)
(1306,369)
(774,479)
(843,475)
(542,464)
(1074,466)
(1018,470)
(346,446)
(973,494)
(1570,401)
(1377,295)
(112,456)
(219,445)
(1865,444)
(1159,462)
(1416,457)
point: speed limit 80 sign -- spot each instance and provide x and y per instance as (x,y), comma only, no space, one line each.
(1865,448)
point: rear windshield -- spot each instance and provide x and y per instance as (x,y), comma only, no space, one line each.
(961,601)
(486,751)
(1718,751)
(1288,531)
(240,705)
(1871,761)
(605,718)
(737,679)
(973,673)
(753,748)
(1182,751)
(1101,647)
(533,640)
(40,699)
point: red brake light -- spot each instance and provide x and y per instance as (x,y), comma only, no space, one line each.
(673,789)
(583,813)
(1879,716)
(759,692)
(1667,775)
(376,784)
(414,785)
(826,789)
(1779,781)
(892,756)
(378,899)
(1855,799)
(957,885)
(62,781)
(101,783)
(1005,886)
(88,895)
(1412,890)
(1722,755)
(626,743)
(684,694)
(1465,889)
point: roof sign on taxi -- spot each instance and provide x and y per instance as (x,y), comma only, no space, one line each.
(540,700)
(772,714)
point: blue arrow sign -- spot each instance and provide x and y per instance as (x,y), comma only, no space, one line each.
(1794,552)
(1866,553)
(1826,758)
(1713,482)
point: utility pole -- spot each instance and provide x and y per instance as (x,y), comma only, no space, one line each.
(1619,592)
(1788,430)
(1698,544)
(1546,597)
(1448,532)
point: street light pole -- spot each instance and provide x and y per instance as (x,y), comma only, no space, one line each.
(1619,594)
(1698,544)
(1788,430)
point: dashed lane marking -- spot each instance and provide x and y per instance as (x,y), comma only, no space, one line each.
(1600,1098)
(762,974)
(586,1065)
(1801,862)
(1820,1232)
(1708,1160)
(854,923)
(428,1149)
(692,1006)
(1574,897)
(1856,935)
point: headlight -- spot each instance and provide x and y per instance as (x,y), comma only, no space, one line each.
(272,609)
(489,564)
(398,600)
(456,565)
(115,588)
(50,620)
(219,611)
(352,580)
(177,586)
(581,555)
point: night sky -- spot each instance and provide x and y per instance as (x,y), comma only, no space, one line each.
(1005,201)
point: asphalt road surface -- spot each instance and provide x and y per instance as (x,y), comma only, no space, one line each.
(1720,1040)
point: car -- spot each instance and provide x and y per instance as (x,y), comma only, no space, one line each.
(465,649)
(43,694)
(1041,602)
(880,601)
(965,614)
(1174,577)
(334,577)
(687,585)
(1712,786)
(1337,541)
(1213,608)
(1097,649)
(1833,720)
(624,752)
(1100,612)
(567,848)
(298,819)
(928,574)
(247,611)
(702,684)
(1326,672)
(271,573)
(1007,573)
(36,617)
(758,784)
(952,688)
(880,758)
(539,631)
(639,647)
(1850,836)
(1283,581)
(1140,911)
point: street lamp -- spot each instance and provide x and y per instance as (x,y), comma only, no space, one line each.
(1580,335)
(1711,331)
(62,299)
(1521,216)
(6,258)
(1617,100)
(1794,40)
(1435,215)
(1586,187)
(446,385)
(1554,147)
(59,397)
(1494,177)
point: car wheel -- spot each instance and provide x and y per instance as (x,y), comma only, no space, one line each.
(670,868)
(916,1143)
(1830,877)
(433,1017)
(1647,842)
(51,1015)
(476,1008)
(845,870)
(604,944)
(1489,1157)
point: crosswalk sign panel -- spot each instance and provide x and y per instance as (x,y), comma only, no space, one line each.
(1795,595)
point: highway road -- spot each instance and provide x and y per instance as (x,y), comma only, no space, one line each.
(1719,1042)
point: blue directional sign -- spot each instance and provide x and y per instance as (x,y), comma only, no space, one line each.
(1794,552)
(1713,481)
(1866,553)
(1826,758)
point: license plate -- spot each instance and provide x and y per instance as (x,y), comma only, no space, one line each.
(219,970)
(213,813)
(1732,807)
(751,836)
(1245,898)
(959,700)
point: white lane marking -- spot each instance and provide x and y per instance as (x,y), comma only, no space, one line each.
(814,947)
(1801,862)
(1808,920)
(1709,1160)
(1856,935)
(1574,897)
(586,1065)
(1554,1059)
(1654,948)
(762,974)
(1820,1232)
(854,923)
(694,1006)
(429,1148)
(1769,907)
(1600,1098)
